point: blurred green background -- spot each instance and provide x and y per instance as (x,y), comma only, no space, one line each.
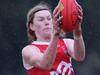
(13,36)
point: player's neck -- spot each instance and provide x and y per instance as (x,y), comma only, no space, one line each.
(46,39)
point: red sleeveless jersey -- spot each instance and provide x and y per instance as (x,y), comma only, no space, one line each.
(62,64)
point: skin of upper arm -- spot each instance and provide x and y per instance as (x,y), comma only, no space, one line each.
(32,55)
(75,53)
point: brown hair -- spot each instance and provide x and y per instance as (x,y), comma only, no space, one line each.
(30,17)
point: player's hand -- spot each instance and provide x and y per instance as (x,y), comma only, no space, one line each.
(57,20)
(77,31)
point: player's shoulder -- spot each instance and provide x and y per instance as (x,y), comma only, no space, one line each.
(29,49)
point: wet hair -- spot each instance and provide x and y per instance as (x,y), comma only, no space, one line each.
(30,17)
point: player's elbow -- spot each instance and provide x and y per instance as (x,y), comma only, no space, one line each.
(80,58)
(46,67)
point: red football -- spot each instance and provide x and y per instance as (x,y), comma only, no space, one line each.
(69,12)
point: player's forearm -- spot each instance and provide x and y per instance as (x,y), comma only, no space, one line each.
(79,47)
(50,53)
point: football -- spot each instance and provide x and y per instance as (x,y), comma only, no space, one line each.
(69,11)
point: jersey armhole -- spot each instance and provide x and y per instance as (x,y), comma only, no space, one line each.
(65,42)
(27,66)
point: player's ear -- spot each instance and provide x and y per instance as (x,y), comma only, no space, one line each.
(32,26)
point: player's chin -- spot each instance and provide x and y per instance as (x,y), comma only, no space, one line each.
(48,34)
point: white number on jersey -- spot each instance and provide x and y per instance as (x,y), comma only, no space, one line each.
(62,68)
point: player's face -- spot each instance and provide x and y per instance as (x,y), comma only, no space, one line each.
(42,23)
